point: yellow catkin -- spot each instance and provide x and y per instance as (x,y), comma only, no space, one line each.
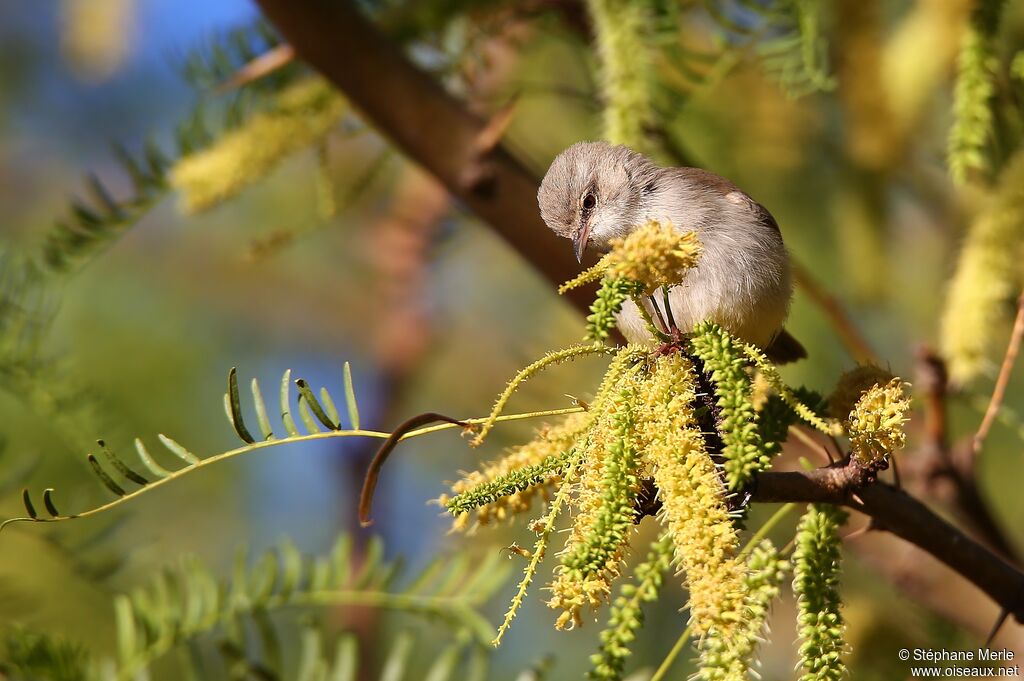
(760,390)
(607,481)
(549,440)
(693,497)
(988,276)
(587,276)
(851,385)
(917,58)
(578,427)
(875,425)
(770,373)
(655,254)
(550,359)
(570,593)
(96,36)
(627,69)
(302,114)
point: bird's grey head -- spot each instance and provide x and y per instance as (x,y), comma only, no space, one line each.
(594,192)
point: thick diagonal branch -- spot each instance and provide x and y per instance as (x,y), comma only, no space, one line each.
(847,483)
(897,512)
(429,125)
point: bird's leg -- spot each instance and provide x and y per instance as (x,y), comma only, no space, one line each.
(673,338)
(673,329)
(657,313)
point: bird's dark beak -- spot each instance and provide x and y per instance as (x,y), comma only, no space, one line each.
(579,242)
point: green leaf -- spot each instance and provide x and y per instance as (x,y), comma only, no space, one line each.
(350,398)
(148,461)
(332,411)
(107,481)
(51,508)
(307,418)
(234,404)
(26,499)
(311,662)
(179,451)
(427,576)
(398,658)
(291,570)
(372,558)
(285,400)
(346,659)
(121,466)
(444,665)
(102,197)
(320,575)
(270,642)
(490,575)
(261,411)
(314,404)
(454,576)
(264,577)
(124,620)
(341,561)
(239,594)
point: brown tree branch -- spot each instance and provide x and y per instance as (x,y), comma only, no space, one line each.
(895,511)
(849,334)
(947,473)
(428,124)
(849,483)
(999,392)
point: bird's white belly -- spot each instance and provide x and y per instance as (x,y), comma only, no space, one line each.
(754,316)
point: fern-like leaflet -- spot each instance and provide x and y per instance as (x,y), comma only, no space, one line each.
(787,37)
(183,604)
(100,218)
(125,481)
(210,66)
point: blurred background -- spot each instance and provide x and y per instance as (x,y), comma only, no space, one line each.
(337,248)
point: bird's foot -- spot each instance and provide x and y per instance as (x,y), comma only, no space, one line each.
(676,343)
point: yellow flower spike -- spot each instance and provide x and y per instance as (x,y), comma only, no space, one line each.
(653,255)
(551,441)
(774,379)
(628,68)
(876,423)
(303,113)
(692,496)
(587,276)
(547,526)
(760,390)
(851,385)
(556,357)
(606,505)
(989,275)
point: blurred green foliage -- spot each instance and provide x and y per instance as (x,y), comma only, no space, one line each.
(843,118)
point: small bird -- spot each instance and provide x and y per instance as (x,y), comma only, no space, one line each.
(595,192)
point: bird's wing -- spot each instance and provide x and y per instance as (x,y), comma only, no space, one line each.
(716,184)
(785,349)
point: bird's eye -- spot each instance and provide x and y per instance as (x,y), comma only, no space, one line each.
(589,201)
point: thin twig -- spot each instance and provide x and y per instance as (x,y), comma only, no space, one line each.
(260,67)
(999,392)
(939,461)
(1004,614)
(373,472)
(800,431)
(668,309)
(657,313)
